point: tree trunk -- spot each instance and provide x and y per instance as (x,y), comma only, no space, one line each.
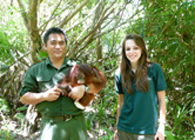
(31,121)
(99,44)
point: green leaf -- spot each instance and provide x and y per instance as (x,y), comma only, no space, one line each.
(169,135)
(23,108)
(19,116)
(43,55)
(4,106)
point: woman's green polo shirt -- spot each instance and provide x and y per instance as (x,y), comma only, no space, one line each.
(139,114)
(43,76)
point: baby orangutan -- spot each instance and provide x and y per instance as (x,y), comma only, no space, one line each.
(79,75)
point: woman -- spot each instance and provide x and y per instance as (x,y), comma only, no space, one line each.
(141,87)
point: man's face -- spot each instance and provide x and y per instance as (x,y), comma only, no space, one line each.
(56,46)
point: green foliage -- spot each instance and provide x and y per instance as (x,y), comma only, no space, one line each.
(169,135)
(4,106)
(170,39)
(13,35)
(43,55)
(4,43)
(23,108)
(5,134)
(101,120)
(19,117)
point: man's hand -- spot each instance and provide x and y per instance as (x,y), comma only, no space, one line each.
(77,92)
(52,94)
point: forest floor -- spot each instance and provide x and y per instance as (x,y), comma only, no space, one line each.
(12,129)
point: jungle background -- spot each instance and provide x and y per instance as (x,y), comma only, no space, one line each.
(95,29)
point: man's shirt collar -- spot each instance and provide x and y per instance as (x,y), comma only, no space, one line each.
(65,63)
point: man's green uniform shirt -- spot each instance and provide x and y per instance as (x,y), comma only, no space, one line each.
(43,76)
(139,114)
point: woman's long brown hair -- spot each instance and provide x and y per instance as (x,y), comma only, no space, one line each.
(141,78)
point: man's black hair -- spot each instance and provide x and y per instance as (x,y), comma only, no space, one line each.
(54,30)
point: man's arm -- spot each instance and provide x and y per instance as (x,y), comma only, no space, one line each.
(35,98)
(78,91)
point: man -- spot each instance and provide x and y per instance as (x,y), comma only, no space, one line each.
(61,120)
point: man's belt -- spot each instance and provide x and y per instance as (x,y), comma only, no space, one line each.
(60,118)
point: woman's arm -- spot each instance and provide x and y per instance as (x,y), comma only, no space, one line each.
(162,115)
(120,104)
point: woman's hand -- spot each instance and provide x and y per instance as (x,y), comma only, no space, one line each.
(116,135)
(159,135)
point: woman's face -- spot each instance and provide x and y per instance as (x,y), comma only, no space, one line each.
(132,51)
